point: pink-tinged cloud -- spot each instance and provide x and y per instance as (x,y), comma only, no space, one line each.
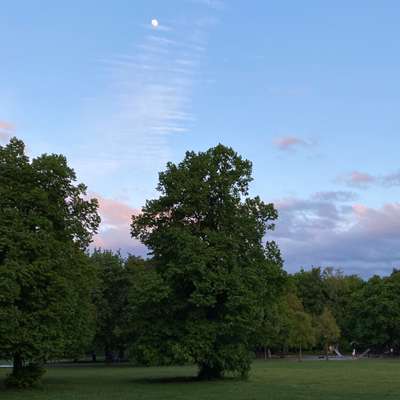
(382,222)
(358,179)
(361,178)
(289,142)
(115,212)
(359,210)
(6,130)
(114,232)
(356,238)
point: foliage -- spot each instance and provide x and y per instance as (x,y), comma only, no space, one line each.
(273,322)
(301,333)
(204,299)
(376,311)
(327,329)
(311,290)
(110,299)
(45,277)
(340,290)
(25,377)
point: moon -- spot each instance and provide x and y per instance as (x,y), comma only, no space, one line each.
(155,23)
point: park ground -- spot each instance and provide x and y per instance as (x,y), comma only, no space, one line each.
(291,380)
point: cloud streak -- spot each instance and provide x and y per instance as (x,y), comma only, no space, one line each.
(357,179)
(336,196)
(364,180)
(214,4)
(150,94)
(287,143)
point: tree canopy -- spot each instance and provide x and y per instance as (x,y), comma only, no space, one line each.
(46,223)
(212,276)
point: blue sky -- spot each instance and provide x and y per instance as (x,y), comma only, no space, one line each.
(308,91)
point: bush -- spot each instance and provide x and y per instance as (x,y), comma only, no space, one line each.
(25,377)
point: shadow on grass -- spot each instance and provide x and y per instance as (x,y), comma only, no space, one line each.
(180,379)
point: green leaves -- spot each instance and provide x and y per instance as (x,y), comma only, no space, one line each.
(206,235)
(45,278)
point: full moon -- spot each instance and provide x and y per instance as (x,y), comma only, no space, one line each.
(154,23)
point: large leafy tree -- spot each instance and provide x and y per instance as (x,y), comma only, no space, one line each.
(46,223)
(205,298)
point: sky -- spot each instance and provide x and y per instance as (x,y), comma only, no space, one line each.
(308,91)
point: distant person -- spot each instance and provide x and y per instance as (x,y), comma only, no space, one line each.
(353,354)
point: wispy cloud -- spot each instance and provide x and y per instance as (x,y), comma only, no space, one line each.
(357,179)
(338,196)
(365,180)
(6,130)
(215,4)
(286,143)
(151,90)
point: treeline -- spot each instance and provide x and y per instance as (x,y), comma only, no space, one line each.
(212,292)
(318,310)
(324,308)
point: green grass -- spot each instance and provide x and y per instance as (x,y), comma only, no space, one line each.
(369,379)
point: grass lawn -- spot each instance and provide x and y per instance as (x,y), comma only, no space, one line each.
(366,379)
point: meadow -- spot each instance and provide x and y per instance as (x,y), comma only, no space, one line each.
(283,379)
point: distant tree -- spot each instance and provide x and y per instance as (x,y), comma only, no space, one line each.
(375,313)
(46,224)
(311,290)
(340,290)
(274,315)
(110,299)
(204,299)
(328,330)
(301,333)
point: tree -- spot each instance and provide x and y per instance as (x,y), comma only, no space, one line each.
(45,277)
(274,314)
(311,290)
(110,299)
(205,297)
(301,333)
(340,290)
(328,330)
(375,313)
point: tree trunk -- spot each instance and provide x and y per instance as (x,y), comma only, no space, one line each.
(108,354)
(265,353)
(18,364)
(208,372)
(121,354)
